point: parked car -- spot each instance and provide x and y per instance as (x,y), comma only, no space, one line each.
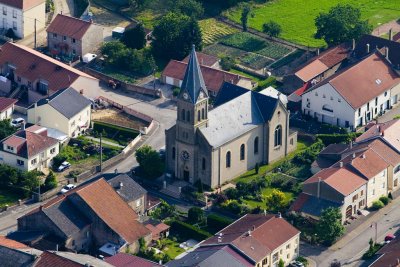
(65,165)
(389,238)
(17,122)
(296,264)
(66,188)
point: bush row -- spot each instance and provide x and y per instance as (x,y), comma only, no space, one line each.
(217,222)
(114,132)
(328,139)
(187,231)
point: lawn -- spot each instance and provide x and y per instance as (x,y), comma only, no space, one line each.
(172,248)
(212,30)
(8,198)
(296,17)
(265,192)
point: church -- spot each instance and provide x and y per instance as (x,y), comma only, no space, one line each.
(243,128)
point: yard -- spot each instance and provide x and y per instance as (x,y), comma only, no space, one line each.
(8,198)
(296,17)
(213,30)
(265,192)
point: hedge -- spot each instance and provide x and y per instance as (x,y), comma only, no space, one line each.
(187,231)
(217,223)
(115,132)
(328,139)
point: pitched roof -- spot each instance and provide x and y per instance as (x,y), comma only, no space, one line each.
(267,232)
(374,42)
(28,143)
(389,255)
(32,65)
(323,62)
(203,59)
(6,103)
(114,211)
(368,163)
(223,255)
(9,243)
(68,102)
(48,259)
(130,189)
(312,205)
(69,26)
(128,260)
(22,4)
(343,180)
(213,78)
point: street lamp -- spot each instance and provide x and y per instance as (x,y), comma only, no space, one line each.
(376,229)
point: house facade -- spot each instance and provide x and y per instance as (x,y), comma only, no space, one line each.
(20,16)
(244,128)
(354,96)
(6,107)
(66,111)
(29,149)
(72,36)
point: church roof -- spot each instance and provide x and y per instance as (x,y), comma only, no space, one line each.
(193,81)
(238,111)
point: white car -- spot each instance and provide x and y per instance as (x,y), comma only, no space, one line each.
(65,165)
(66,188)
(17,122)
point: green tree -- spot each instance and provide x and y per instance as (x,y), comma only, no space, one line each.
(329,226)
(51,181)
(272,28)
(135,37)
(115,51)
(281,263)
(195,215)
(244,18)
(191,8)
(276,201)
(149,161)
(30,181)
(342,23)
(163,211)
(134,5)
(174,36)
(6,129)
(227,63)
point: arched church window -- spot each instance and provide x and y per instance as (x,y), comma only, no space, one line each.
(228,159)
(198,115)
(188,115)
(203,115)
(183,114)
(173,153)
(203,164)
(256,145)
(242,152)
(278,136)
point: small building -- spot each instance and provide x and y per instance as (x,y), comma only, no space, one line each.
(66,111)
(205,60)
(6,107)
(253,240)
(356,95)
(129,260)
(29,149)
(13,253)
(21,15)
(73,37)
(90,217)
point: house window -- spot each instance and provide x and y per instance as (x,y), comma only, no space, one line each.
(291,141)
(397,169)
(278,136)
(339,100)
(368,106)
(359,112)
(355,197)
(73,51)
(34,161)
(10,148)
(64,38)
(362,193)
(4,10)
(280,252)
(20,162)
(256,145)
(288,246)
(373,192)
(376,101)
(53,150)
(173,153)
(18,79)
(188,115)
(43,88)
(265,261)
(73,242)
(385,94)
(203,115)
(14,25)
(383,185)
(242,152)
(183,114)
(327,108)
(29,84)
(73,40)
(373,181)
(316,94)
(14,14)
(228,159)
(275,257)
(138,202)
(323,96)
(198,115)
(203,164)
(54,35)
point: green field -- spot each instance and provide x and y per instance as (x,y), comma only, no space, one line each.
(296,17)
(213,30)
(8,198)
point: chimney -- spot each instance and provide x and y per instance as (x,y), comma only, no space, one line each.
(319,187)
(364,156)
(353,45)
(341,164)
(41,207)
(279,215)
(351,144)
(318,52)
(387,53)
(56,247)
(265,212)
(249,233)
(23,126)
(160,262)
(253,228)
(367,48)
(390,35)
(354,155)
(121,184)
(383,133)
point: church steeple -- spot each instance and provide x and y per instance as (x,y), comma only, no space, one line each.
(193,82)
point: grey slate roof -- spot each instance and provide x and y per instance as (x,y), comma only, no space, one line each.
(313,205)
(67,101)
(193,81)
(130,190)
(67,218)
(240,111)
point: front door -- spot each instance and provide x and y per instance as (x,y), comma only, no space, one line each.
(186,175)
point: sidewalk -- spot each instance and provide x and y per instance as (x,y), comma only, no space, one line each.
(97,140)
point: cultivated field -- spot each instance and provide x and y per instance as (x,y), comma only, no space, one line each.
(212,30)
(296,17)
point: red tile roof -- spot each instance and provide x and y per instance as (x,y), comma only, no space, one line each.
(267,232)
(9,243)
(114,211)
(213,78)
(387,131)
(22,4)
(127,260)
(368,163)
(33,65)
(6,103)
(204,59)
(69,26)
(48,259)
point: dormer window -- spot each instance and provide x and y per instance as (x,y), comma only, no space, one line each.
(10,148)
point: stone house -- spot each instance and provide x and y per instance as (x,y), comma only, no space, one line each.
(243,129)
(72,36)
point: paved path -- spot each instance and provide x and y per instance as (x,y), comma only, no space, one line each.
(104,141)
(384,28)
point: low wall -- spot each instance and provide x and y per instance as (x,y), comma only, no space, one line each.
(127,86)
(22,110)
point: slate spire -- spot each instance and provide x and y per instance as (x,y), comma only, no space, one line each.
(193,82)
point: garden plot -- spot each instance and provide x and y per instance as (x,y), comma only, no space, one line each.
(213,30)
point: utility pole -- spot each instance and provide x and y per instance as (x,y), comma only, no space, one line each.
(39,190)
(101,155)
(35,34)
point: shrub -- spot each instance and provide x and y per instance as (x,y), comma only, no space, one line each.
(376,205)
(390,195)
(176,91)
(272,28)
(328,139)
(195,215)
(217,222)
(187,231)
(227,63)
(233,206)
(231,193)
(51,181)
(385,200)
(270,81)
(10,34)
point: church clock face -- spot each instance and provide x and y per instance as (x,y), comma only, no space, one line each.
(185,96)
(185,155)
(201,95)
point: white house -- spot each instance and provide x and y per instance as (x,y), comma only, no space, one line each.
(354,96)
(21,16)
(6,107)
(29,149)
(66,111)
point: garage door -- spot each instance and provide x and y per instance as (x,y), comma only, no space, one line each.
(169,80)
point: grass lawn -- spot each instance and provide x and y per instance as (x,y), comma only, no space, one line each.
(172,248)
(213,30)
(8,198)
(265,192)
(251,175)
(296,17)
